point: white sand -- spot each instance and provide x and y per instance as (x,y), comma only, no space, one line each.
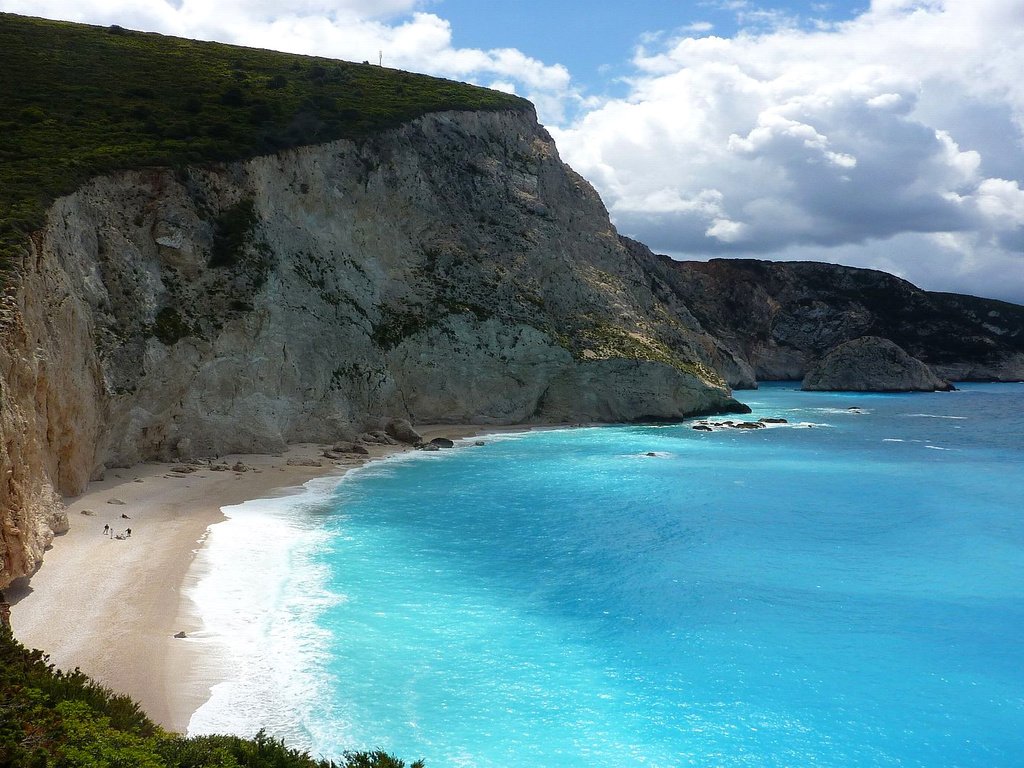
(111,607)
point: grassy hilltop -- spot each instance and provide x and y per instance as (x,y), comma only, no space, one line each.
(78,101)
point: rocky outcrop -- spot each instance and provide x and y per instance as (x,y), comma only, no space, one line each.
(402,431)
(872,364)
(781,317)
(450,270)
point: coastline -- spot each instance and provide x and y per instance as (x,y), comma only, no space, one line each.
(111,606)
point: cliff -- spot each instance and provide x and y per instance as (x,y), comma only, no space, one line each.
(781,317)
(872,364)
(451,269)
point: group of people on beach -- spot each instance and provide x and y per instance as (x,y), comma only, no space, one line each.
(108,530)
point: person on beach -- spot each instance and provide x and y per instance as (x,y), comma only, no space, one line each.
(128,533)
(106,529)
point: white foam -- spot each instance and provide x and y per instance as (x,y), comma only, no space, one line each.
(258,596)
(935,416)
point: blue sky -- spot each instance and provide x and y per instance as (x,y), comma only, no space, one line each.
(596,40)
(881,133)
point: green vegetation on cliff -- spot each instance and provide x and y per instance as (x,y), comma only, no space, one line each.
(78,101)
(59,719)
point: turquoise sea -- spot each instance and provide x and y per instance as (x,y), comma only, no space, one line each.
(845,590)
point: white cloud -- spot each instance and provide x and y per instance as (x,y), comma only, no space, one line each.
(904,124)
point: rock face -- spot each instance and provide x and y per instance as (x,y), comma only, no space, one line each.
(782,317)
(452,269)
(872,364)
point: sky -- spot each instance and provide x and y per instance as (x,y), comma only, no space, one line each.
(876,133)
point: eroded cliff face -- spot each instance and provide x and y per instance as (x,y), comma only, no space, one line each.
(451,270)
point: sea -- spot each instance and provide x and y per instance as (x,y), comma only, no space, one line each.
(845,590)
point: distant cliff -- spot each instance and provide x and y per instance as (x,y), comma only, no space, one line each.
(781,317)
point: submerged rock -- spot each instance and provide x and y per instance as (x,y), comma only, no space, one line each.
(872,364)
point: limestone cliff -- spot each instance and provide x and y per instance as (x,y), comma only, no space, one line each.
(872,364)
(451,269)
(781,317)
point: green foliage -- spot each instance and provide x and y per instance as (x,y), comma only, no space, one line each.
(169,327)
(54,719)
(604,341)
(396,325)
(78,101)
(231,232)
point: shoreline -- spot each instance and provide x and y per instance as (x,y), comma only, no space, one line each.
(111,606)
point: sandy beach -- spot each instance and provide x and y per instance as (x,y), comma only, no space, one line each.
(111,605)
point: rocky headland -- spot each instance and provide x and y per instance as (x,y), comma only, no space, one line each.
(780,318)
(872,364)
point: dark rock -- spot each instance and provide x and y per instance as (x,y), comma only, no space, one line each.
(430,447)
(773,420)
(180,635)
(345,447)
(479,443)
(402,430)
(702,428)
(872,364)
(781,317)
(748,425)
(442,442)
(384,438)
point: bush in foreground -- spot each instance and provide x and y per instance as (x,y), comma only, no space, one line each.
(55,719)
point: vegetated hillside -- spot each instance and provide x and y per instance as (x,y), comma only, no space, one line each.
(54,718)
(783,316)
(78,101)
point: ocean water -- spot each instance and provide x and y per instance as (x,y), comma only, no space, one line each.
(846,590)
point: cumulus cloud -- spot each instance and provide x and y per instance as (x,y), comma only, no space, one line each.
(903,125)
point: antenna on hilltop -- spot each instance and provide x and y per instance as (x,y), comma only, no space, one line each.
(380,58)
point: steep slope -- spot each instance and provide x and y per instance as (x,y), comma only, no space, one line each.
(79,101)
(781,317)
(450,268)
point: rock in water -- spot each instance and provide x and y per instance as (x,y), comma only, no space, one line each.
(872,364)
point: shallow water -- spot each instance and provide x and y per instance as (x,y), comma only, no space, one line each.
(847,592)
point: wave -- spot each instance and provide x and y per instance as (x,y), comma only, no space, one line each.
(259,593)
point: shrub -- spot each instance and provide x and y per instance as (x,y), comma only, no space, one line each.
(231,232)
